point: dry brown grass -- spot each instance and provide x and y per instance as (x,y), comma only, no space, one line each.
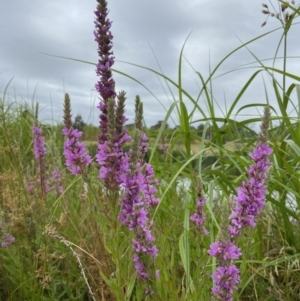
(15,207)
(91,249)
(22,211)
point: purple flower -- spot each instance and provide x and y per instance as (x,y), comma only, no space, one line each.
(112,159)
(226,280)
(199,217)
(249,201)
(225,250)
(113,162)
(140,267)
(75,152)
(251,195)
(8,240)
(248,204)
(38,143)
(143,144)
(105,86)
(40,155)
(138,198)
(55,182)
(119,169)
(164,148)
(149,187)
(30,187)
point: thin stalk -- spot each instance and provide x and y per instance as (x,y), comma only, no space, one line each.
(284,64)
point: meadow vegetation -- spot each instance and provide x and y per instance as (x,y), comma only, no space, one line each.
(64,230)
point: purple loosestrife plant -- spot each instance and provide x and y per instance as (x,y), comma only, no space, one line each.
(117,168)
(7,241)
(199,217)
(38,143)
(40,154)
(75,152)
(248,204)
(47,184)
(139,189)
(149,184)
(113,161)
(227,276)
(226,279)
(55,183)
(251,195)
(106,84)
(164,148)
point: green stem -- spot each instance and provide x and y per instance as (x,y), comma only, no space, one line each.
(284,65)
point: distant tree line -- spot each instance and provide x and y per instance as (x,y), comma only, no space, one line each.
(228,131)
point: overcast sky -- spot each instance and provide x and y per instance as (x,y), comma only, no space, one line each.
(144,32)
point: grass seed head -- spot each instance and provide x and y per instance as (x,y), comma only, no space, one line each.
(67,112)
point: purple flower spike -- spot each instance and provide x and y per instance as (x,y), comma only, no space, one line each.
(138,197)
(249,202)
(118,169)
(40,153)
(149,187)
(226,280)
(111,158)
(199,217)
(75,152)
(105,86)
(38,143)
(251,196)
(137,200)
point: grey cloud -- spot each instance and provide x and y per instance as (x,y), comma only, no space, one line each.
(65,28)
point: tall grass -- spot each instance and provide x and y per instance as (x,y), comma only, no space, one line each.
(72,247)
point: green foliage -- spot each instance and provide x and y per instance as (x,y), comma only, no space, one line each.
(16,141)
